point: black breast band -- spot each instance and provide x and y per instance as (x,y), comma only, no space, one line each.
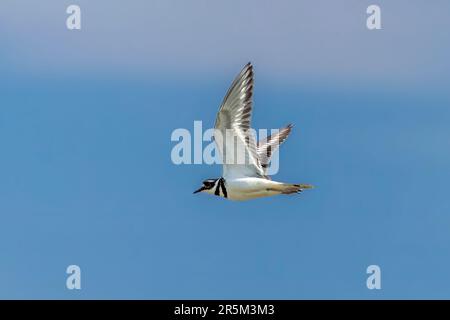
(221,185)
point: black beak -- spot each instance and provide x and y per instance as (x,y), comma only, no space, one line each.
(199,190)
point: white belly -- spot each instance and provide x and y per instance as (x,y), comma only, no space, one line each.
(250,188)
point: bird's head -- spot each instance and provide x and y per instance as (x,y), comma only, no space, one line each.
(208,186)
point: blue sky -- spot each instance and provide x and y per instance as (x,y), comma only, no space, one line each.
(85,124)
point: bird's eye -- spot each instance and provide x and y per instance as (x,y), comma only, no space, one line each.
(208,183)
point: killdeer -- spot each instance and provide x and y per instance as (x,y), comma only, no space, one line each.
(245,180)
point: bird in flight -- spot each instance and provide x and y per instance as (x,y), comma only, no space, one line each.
(245,161)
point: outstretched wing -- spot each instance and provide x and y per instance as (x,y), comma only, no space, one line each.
(233,136)
(269,145)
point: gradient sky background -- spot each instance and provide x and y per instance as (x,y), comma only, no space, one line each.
(85,170)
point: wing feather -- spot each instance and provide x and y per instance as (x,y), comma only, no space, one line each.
(233,136)
(269,145)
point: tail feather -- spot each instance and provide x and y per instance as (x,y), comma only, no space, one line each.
(294,188)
